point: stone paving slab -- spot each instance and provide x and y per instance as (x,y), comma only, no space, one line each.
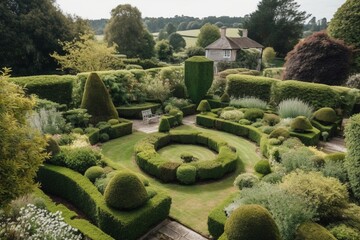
(152,127)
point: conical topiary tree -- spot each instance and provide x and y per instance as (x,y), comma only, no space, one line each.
(199,74)
(204,106)
(97,101)
(164,125)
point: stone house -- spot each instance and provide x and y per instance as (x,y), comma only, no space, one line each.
(226,48)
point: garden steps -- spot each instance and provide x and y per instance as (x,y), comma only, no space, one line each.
(336,144)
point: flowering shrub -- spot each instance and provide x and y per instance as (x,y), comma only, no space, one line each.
(37,224)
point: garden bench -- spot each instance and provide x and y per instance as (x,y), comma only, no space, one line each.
(148,116)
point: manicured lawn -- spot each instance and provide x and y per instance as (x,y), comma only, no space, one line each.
(190,204)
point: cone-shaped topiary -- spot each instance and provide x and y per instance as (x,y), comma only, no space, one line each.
(326,115)
(313,231)
(199,74)
(225,98)
(92,173)
(204,106)
(280,131)
(301,124)
(164,125)
(251,222)
(52,146)
(125,191)
(97,101)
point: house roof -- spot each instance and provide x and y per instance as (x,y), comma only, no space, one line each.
(234,43)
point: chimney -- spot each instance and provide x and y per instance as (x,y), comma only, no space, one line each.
(244,32)
(223,32)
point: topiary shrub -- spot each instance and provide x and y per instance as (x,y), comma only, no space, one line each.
(244,122)
(262,167)
(319,49)
(344,232)
(164,125)
(253,113)
(167,171)
(199,74)
(251,222)
(179,91)
(125,191)
(301,124)
(187,157)
(271,119)
(225,98)
(326,115)
(280,132)
(97,101)
(78,131)
(186,174)
(204,106)
(104,137)
(246,180)
(313,231)
(92,173)
(113,121)
(52,146)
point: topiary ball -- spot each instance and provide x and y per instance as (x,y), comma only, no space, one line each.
(125,191)
(301,124)
(204,106)
(281,131)
(225,98)
(251,222)
(113,121)
(164,125)
(92,173)
(252,114)
(313,231)
(262,167)
(326,115)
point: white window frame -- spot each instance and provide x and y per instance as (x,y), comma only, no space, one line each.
(227,53)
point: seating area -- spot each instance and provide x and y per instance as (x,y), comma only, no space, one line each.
(148,116)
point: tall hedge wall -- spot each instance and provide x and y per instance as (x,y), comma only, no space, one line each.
(352,162)
(243,85)
(51,87)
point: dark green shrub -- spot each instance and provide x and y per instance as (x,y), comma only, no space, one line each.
(187,157)
(125,191)
(246,180)
(78,130)
(251,222)
(80,159)
(225,98)
(164,125)
(326,115)
(104,137)
(273,178)
(186,174)
(252,114)
(301,124)
(352,160)
(97,101)
(263,167)
(94,136)
(52,146)
(79,118)
(199,75)
(167,171)
(313,231)
(271,119)
(179,91)
(92,173)
(113,121)
(280,131)
(133,111)
(204,106)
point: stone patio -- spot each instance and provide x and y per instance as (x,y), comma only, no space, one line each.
(152,127)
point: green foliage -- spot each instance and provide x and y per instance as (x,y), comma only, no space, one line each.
(164,50)
(326,115)
(263,167)
(246,180)
(164,125)
(327,195)
(353,81)
(313,231)
(52,147)
(92,173)
(297,158)
(21,148)
(352,141)
(244,122)
(209,33)
(199,74)
(232,115)
(167,171)
(125,28)
(252,114)
(186,174)
(125,191)
(176,41)
(248,102)
(204,106)
(79,118)
(280,131)
(241,85)
(332,57)
(268,55)
(194,51)
(343,26)
(274,72)
(104,137)
(343,232)
(133,111)
(225,97)
(292,108)
(97,101)
(251,222)
(301,124)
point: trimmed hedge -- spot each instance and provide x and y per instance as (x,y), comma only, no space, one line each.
(186,174)
(331,129)
(310,138)
(51,87)
(133,111)
(189,110)
(79,191)
(313,231)
(214,103)
(114,131)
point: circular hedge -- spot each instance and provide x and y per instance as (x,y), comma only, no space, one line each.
(151,162)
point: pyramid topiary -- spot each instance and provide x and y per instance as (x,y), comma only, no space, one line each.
(92,173)
(301,124)
(125,191)
(251,222)
(199,74)
(326,115)
(225,98)
(97,101)
(164,125)
(204,106)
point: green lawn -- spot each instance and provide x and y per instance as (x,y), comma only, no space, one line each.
(173,152)
(190,204)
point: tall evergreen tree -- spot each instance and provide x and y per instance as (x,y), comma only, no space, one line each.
(209,33)
(276,23)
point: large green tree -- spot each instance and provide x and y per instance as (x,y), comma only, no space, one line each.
(277,24)
(177,41)
(345,25)
(126,29)
(21,148)
(30,31)
(209,33)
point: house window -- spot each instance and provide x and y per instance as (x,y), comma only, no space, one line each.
(227,53)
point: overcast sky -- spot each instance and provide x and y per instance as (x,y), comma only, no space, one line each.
(96,9)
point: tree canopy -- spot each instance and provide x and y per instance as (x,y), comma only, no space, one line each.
(164,50)
(277,24)
(209,33)
(125,28)
(177,41)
